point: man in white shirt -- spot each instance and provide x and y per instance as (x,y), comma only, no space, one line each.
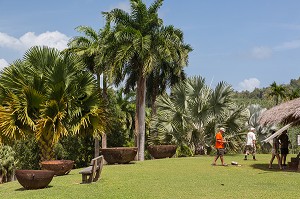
(250,144)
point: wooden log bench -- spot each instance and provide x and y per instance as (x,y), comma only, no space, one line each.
(93,172)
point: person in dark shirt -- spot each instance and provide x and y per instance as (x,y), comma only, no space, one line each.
(284,146)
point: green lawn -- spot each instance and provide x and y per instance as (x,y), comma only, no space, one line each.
(173,178)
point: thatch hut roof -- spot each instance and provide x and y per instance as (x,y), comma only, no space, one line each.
(284,113)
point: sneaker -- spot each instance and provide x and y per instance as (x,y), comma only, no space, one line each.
(225,164)
(245,158)
(213,164)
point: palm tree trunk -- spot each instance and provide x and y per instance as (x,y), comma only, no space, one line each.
(46,147)
(141,95)
(136,132)
(104,137)
(97,147)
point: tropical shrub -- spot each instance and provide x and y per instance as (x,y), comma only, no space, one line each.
(193,112)
(7,163)
(27,153)
(79,148)
(50,95)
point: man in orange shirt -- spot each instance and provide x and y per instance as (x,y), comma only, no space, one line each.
(220,147)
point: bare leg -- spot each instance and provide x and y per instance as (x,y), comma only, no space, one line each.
(222,160)
(215,160)
(271,161)
(279,161)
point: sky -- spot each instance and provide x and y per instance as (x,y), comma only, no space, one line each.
(248,44)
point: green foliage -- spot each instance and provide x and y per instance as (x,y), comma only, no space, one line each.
(80,149)
(50,95)
(7,163)
(184,151)
(27,153)
(122,109)
(193,112)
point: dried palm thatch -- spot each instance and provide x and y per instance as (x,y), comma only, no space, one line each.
(284,113)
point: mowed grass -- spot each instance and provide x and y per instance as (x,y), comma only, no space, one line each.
(192,177)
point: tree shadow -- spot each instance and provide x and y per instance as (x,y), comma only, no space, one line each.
(265,167)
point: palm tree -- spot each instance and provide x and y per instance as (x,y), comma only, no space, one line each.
(193,112)
(50,95)
(278,92)
(294,93)
(140,42)
(89,48)
(126,106)
(262,132)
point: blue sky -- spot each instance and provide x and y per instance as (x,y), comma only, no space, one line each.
(246,43)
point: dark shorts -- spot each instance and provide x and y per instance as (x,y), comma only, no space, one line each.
(284,151)
(221,152)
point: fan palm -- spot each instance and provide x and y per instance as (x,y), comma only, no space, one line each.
(139,45)
(262,132)
(51,95)
(193,112)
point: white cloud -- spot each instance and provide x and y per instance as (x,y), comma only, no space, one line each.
(52,39)
(9,42)
(288,45)
(249,84)
(3,63)
(261,52)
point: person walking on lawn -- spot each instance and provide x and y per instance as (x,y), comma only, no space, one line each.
(284,147)
(220,146)
(250,144)
(275,152)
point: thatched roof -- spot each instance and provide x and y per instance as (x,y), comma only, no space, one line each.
(284,113)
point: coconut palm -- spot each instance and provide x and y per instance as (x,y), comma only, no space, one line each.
(50,95)
(89,47)
(193,112)
(278,92)
(139,45)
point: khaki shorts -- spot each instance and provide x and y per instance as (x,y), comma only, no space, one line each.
(221,152)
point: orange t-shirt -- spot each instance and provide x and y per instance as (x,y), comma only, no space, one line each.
(219,138)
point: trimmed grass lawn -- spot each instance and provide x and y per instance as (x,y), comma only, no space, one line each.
(192,177)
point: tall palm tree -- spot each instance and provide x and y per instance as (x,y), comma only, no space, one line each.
(278,92)
(140,42)
(50,95)
(89,48)
(193,112)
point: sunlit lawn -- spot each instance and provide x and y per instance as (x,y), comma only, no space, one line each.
(173,178)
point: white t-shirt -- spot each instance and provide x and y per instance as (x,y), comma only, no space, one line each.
(250,137)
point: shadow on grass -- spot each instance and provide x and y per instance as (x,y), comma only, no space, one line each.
(129,163)
(23,189)
(265,167)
